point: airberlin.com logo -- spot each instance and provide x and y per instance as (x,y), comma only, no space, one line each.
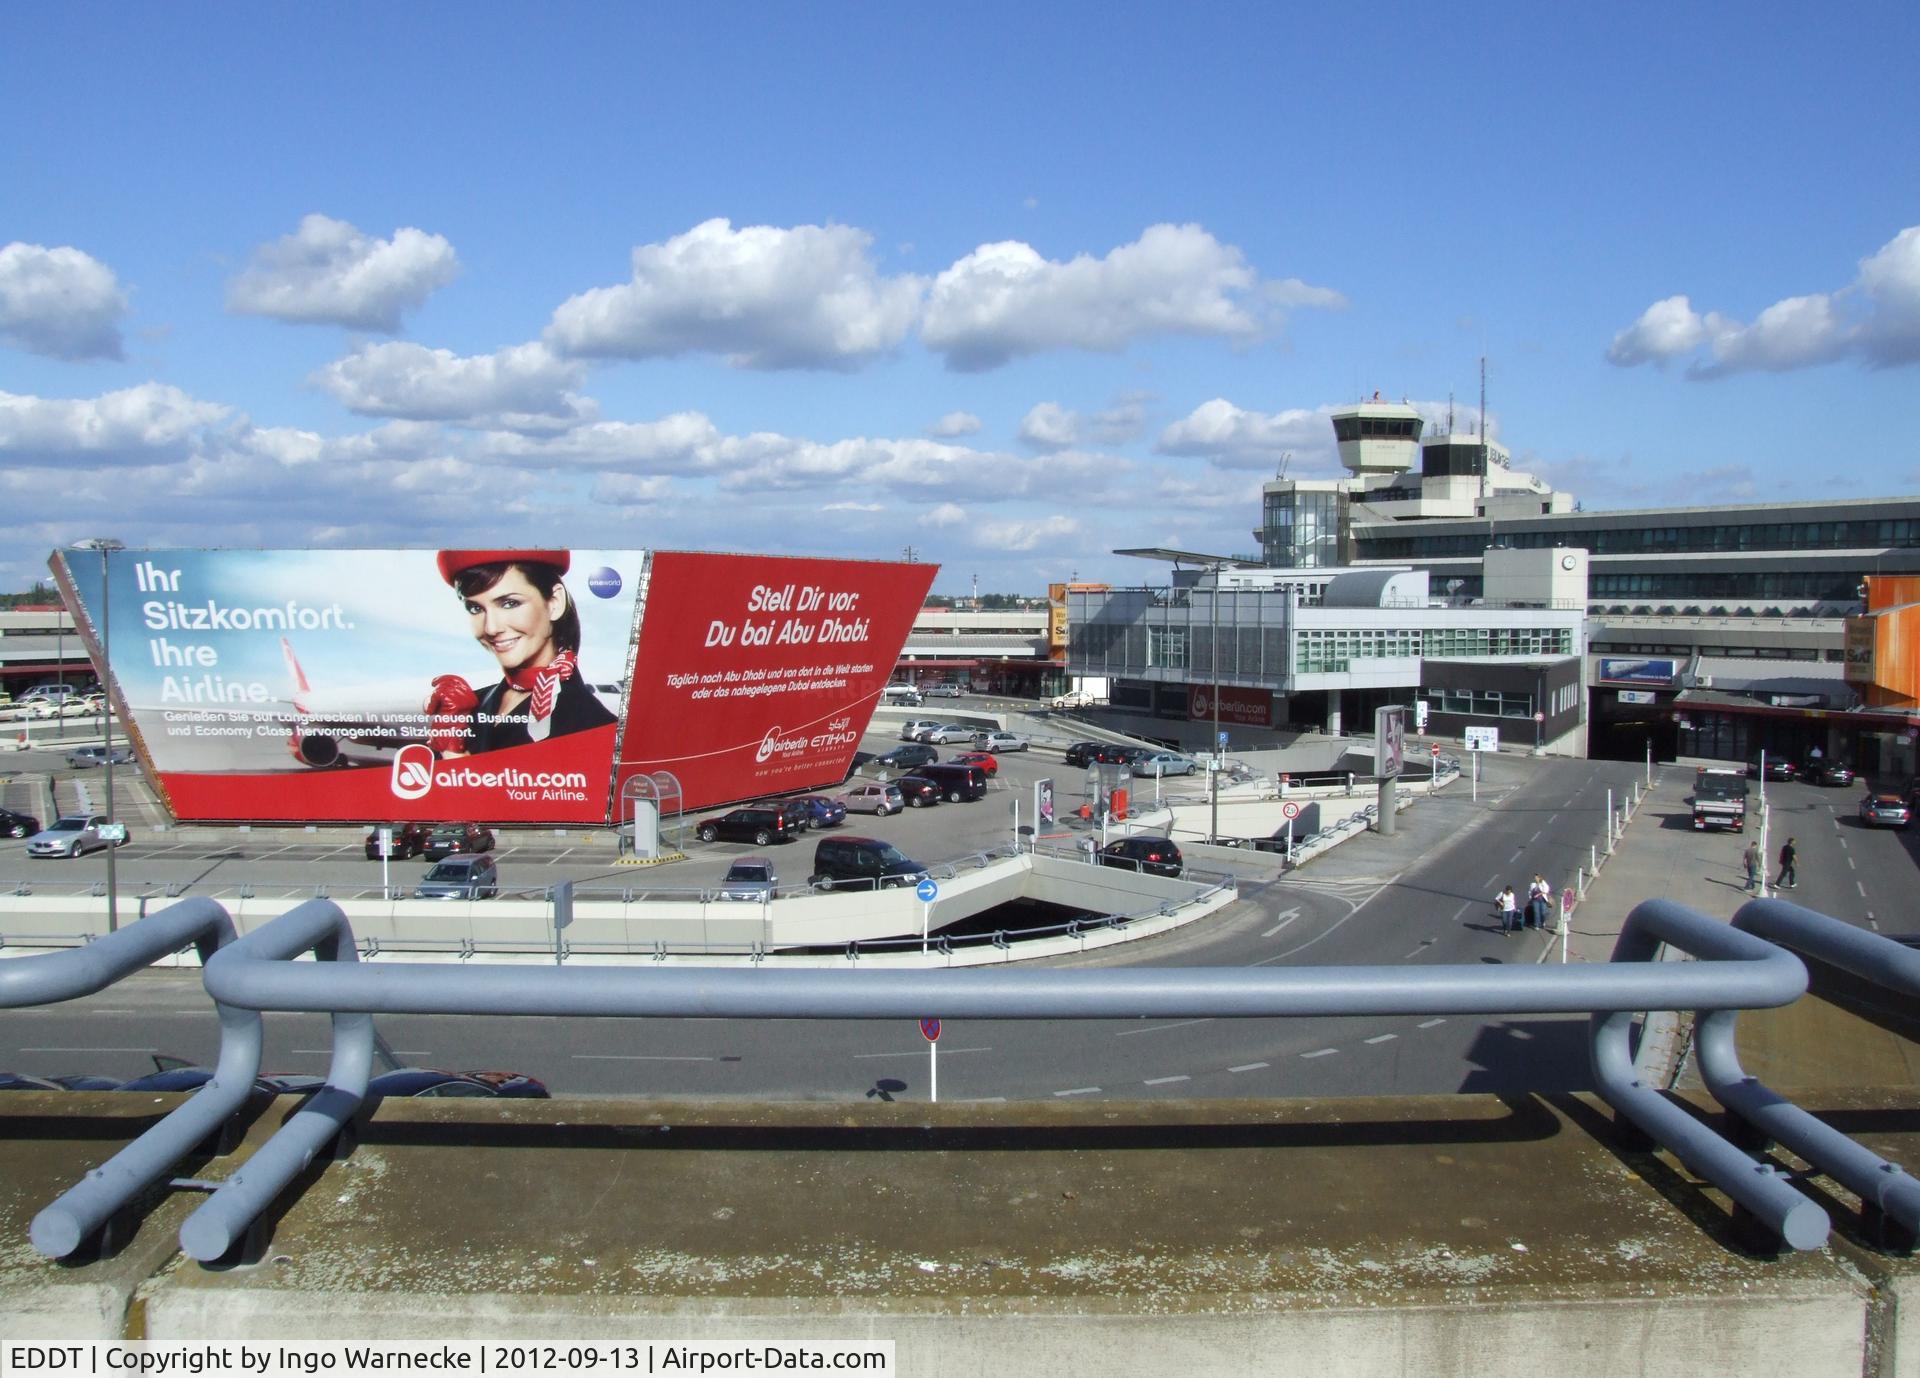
(415,772)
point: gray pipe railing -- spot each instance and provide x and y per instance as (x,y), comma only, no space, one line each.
(1735,971)
(1882,1186)
(319,927)
(53,977)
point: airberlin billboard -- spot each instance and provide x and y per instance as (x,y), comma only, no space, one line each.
(506,685)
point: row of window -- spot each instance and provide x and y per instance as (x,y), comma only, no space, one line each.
(1648,648)
(1654,540)
(1332,652)
(1479,703)
(1377,427)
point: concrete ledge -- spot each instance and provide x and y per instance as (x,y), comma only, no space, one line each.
(1457,1235)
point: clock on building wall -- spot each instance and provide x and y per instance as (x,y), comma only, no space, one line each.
(1568,562)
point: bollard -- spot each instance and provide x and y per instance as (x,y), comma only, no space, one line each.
(1579,883)
(1593,859)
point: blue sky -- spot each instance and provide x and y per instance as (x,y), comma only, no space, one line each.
(1009,285)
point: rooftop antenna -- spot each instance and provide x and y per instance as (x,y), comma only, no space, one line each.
(1449,411)
(1285,459)
(976,592)
(1486,479)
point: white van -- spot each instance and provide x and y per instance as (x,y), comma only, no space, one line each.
(904,695)
(47,700)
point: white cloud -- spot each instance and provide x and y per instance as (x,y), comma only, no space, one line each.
(1875,319)
(853,507)
(499,389)
(955,424)
(60,302)
(328,272)
(1026,535)
(683,442)
(761,297)
(946,514)
(1050,426)
(145,424)
(631,490)
(1121,422)
(1004,300)
(1236,438)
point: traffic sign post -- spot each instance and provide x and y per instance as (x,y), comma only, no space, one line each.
(930,1030)
(926,890)
(1289,811)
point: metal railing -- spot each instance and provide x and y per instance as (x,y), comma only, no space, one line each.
(1736,969)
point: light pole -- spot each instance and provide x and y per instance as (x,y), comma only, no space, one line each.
(106,545)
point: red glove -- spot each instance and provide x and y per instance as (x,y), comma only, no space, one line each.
(451,704)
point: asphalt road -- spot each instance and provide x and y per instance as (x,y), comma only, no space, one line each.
(1421,897)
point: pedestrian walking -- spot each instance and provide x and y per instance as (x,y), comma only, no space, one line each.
(1509,907)
(1789,878)
(1751,859)
(1539,900)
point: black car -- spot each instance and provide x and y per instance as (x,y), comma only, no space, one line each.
(1115,754)
(457,839)
(1156,856)
(18,824)
(919,791)
(409,839)
(862,863)
(760,824)
(1828,773)
(1779,768)
(908,755)
(1083,753)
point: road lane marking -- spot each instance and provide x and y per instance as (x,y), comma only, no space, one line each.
(1286,918)
(1321,1052)
(1536,836)
(1843,841)
(1162,1028)
(1850,865)
(1431,1023)
(1164,1081)
(630,1057)
(917,1052)
(1249,1067)
(1383,1038)
(1080,1091)
(1861,888)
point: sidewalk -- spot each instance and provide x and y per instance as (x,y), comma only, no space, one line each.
(1659,856)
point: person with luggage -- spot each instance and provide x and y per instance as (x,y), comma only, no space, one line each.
(1539,901)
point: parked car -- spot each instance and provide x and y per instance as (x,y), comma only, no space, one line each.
(1163,763)
(918,791)
(464,877)
(1155,856)
(942,691)
(1828,773)
(1779,768)
(906,756)
(862,863)
(427,1082)
(950,732)
(760,824)
(18,824)
(903,695)
(983,760)
(1074,698)
(878,799)
(910,731)
(1120,754)
(822,811)
(409,839)
(74,835)
(1083,753)
(1000,740)
(457,839)
(749,878)
(957,783)
(82,757)
(1885,811)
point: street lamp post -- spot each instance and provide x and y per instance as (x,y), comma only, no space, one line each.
(106,545)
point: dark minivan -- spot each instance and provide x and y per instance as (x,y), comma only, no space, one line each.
(956,782)
(862,863)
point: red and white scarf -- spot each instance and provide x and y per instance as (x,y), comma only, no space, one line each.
(543,684)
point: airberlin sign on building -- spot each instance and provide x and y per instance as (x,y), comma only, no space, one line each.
(363,685)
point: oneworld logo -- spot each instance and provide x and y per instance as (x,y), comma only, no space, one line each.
(604,582)
(412,771)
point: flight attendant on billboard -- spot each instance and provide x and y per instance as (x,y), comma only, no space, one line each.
(523,615)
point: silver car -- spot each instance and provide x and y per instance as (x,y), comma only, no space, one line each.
(1000,740)
(74,835)
(750,878)
(1163,763)
(910,731)
(878,798)
(948,732)
(460,877)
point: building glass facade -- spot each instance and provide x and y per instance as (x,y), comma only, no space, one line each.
(1301,529)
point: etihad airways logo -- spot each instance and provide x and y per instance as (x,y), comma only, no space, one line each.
(839,732)
(416,772)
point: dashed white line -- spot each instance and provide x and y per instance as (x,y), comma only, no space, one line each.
(1843,841)
(1080,1091)
(621,1057)
(1536,836)
(1320,1052)
(1383,1038)
(1162,1028)
(87,1050)
(912,1052)
(1850,865)
(1249,1067)
(1164,1081)
(1861,888)
(1431,1023)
